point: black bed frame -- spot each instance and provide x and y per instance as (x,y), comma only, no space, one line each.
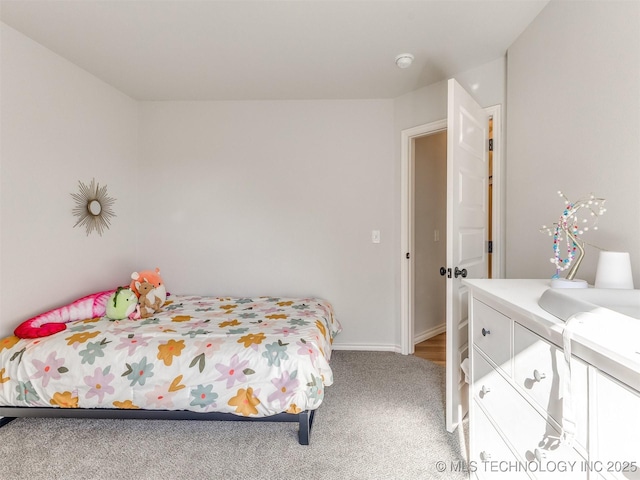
(304,418)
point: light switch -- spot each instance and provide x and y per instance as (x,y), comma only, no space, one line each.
(375,236)
(436,235)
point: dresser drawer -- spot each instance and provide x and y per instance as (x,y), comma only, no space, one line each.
(490,456)
(616,434)
(539,368)
(535,441)
(498,398)
(492,334)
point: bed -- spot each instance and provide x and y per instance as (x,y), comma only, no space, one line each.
(261,358)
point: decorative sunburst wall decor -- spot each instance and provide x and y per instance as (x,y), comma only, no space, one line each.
(93,207)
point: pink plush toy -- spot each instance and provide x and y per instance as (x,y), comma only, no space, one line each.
(53,321)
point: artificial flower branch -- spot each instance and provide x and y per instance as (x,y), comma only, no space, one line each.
(572,226)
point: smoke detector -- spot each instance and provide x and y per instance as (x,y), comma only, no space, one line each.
(404,60)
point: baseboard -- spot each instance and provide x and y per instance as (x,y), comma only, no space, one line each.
(432,332)
(367,348)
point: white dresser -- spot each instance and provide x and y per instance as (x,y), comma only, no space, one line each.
(517,406)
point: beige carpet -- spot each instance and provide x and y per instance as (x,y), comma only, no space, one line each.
(382,419)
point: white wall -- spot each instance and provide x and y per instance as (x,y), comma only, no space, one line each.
(574,125)
(282,196)
(486,83)
(274,198)
(59,125)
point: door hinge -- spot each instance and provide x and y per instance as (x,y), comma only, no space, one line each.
(489,246)
(491,144)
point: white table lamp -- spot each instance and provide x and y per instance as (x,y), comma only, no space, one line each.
(614,270)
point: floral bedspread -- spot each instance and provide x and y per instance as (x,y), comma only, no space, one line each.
(246,356)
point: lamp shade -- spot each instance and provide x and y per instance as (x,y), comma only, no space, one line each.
(614,270)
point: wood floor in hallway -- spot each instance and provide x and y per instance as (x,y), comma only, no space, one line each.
(433,349)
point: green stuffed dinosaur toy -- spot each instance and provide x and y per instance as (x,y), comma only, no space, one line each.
(122,304)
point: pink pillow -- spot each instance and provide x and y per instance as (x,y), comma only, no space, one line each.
(53,321)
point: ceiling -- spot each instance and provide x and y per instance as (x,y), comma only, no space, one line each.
(260,50)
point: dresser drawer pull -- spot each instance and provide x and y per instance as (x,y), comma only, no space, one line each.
(484,456)
(484,390)
(485,332)
(539,454)
(537,376)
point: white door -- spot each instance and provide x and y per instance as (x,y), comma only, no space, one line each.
(467,177)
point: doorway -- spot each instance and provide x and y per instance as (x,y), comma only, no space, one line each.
(430,227)
(413,330)
(429,234)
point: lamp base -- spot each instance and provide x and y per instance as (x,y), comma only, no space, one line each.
(564,283)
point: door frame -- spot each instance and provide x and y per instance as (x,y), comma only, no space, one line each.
(407,174)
